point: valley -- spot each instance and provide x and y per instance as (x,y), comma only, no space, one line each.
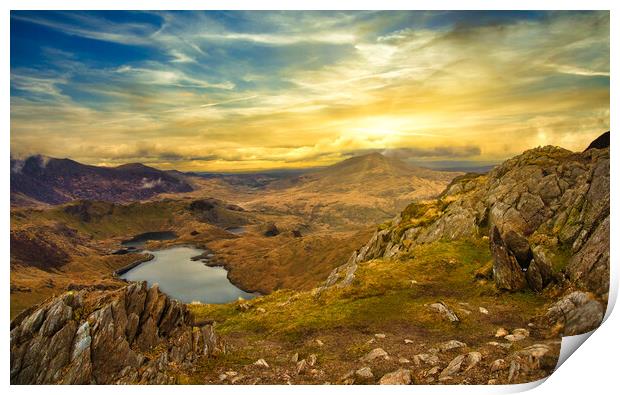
(368,271)
(283,234)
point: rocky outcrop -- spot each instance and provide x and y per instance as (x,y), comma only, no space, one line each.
(601,141)
(576,313)
(130,335)
(546,213)
(507,273)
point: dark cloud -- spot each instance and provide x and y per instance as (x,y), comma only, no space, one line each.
(419,152)
(453,152)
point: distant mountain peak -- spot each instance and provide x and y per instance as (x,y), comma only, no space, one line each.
(371,155)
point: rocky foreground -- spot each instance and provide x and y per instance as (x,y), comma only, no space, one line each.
(136,335)
(131,335)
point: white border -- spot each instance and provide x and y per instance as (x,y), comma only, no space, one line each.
(594,368)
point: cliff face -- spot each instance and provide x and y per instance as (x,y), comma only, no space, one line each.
(544,212)
(130,335)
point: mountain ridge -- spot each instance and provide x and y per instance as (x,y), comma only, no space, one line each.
(44,180)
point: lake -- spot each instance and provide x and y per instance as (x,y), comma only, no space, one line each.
(140,240)
(184,279)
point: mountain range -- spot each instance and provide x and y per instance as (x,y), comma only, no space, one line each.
(43,180)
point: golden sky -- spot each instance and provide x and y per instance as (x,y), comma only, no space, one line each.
(236,91)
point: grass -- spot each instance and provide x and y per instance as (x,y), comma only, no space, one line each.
(122,220)
(382,296)
(560,258)
(382,299)
(107,219)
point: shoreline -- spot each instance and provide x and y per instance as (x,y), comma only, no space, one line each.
(128,267)
(149,257)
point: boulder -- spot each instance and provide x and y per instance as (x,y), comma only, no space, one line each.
(452,344)
(364,374)
(398,377)
(261,363)
(446,312)
(501,332)
(576,313)
(374,354)
(427,358)
(453,368)
(517,335)
(519,247)
(507,272)
(584,318)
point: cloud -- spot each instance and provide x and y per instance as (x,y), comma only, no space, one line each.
(434,152)
(566,69)
(239,90)
(149,184)
(168,77)
(84,25)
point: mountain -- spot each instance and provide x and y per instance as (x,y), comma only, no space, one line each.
(39,179)
(373,173)
(359,190)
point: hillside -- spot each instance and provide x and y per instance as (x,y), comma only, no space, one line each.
(67,246)
(474,286)
(359,190)
(41,180)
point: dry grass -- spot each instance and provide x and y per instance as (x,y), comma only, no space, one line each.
(382,299)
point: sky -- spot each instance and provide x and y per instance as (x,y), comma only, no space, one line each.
(239,91)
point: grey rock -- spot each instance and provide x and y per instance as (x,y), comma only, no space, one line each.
(374,354)
(364,374)
(452,344)
(584,318)
(577,312)
(50,345)
(398,377)
(453,367)
(445,311)
(507,273)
